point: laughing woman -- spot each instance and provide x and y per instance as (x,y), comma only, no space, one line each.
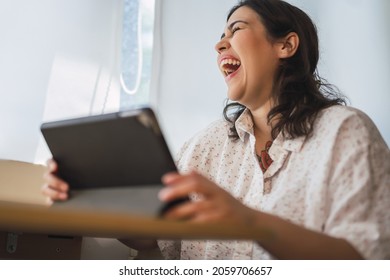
(289,157)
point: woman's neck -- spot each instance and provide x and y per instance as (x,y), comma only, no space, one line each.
(261,128)
(260,119)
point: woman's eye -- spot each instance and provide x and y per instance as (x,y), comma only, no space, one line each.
(235,29)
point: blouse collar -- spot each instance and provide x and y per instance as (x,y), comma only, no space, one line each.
(244,126)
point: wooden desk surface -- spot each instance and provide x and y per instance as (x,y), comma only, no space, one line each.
(41,219)
(22,209)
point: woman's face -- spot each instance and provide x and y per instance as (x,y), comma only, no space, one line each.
(247,59)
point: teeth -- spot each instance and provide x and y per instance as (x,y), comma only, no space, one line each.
(229,61)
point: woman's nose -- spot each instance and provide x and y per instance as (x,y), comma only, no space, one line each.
(222,45)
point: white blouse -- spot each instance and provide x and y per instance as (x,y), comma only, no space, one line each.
(336,182)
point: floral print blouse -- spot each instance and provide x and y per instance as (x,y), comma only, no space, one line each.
(336,182)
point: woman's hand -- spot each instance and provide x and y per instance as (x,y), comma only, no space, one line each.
(283,239)
(213,204)
(54,187)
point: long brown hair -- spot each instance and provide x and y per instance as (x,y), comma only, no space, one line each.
(300,93)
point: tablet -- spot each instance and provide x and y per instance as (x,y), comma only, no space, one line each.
(112,161)
(117,149)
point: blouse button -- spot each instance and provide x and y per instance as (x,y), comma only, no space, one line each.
(267,186)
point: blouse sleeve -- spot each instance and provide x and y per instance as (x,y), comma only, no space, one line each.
(359,192)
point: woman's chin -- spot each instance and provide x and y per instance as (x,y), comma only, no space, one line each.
(235,95)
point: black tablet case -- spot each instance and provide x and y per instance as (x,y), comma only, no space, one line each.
(112,162)
(117,149)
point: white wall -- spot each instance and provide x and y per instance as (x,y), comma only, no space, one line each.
(191,90)
(60,54)
(355,44)
(354,38)
(25,62)
(52,52)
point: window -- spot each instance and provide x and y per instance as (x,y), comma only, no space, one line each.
(136,54)
(101,57)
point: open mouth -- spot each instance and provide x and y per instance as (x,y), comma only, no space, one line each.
(229,65)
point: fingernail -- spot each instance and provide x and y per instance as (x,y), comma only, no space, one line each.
(51,166)
(65,188)
(164,194)
(165,178)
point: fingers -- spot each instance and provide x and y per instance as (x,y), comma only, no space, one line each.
(53,194)
(55,182)
(213,204)
(188,210)
(52,165)
(199,212)
(54,188)
(171,178)
(210,202)
(179,186)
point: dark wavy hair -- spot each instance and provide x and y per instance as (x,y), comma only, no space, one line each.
(300,93)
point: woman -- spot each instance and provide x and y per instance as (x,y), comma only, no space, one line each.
(314,174)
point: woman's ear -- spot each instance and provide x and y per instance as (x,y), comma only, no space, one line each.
(288,46)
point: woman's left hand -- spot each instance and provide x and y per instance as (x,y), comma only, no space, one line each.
(213,204)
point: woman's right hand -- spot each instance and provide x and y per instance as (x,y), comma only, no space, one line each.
(55,189)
